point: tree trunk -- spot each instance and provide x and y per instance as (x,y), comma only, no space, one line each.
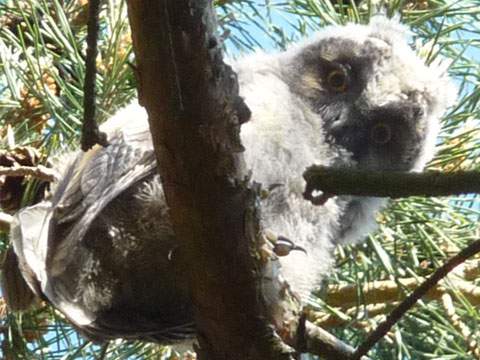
(195,115)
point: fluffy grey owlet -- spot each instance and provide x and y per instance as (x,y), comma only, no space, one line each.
(101,248)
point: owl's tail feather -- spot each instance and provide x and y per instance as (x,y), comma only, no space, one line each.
(24,266)
(15,290)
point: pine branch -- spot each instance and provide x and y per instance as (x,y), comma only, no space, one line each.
(385,291)
(379,297)
(411,300)
(348,181)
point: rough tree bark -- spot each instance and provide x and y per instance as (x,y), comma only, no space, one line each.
(195,115)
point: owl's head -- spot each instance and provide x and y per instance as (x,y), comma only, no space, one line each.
(376,98)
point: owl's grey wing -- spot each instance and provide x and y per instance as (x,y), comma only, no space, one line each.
(91,181)
(149,306)
(101,249)
(94,180)
(128,157)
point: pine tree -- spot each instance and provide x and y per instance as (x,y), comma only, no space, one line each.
(42,47)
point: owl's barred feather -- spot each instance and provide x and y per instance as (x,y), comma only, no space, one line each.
(353,96)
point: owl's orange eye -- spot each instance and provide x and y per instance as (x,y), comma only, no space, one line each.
(337,80)
(381,133)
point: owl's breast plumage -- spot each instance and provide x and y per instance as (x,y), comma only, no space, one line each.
(283,136)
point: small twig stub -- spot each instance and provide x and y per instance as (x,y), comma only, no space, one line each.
(38,172)
(5,221)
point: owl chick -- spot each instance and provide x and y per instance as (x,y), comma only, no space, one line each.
(351,96)
(101,249)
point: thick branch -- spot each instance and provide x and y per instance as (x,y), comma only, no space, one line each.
(385,291)
(195,114)
(379,297)
(347,181)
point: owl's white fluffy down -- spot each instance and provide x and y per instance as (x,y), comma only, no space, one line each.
(286,134)
(352,96)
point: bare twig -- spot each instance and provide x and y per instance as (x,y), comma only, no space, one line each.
(91,135)
(317,341)
(410,301)
(393,184)
(38,172)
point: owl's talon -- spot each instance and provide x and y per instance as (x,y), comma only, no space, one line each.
(284,246)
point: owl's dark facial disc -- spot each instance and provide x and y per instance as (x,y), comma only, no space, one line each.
(389,137)
(381,133)
(393,138)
